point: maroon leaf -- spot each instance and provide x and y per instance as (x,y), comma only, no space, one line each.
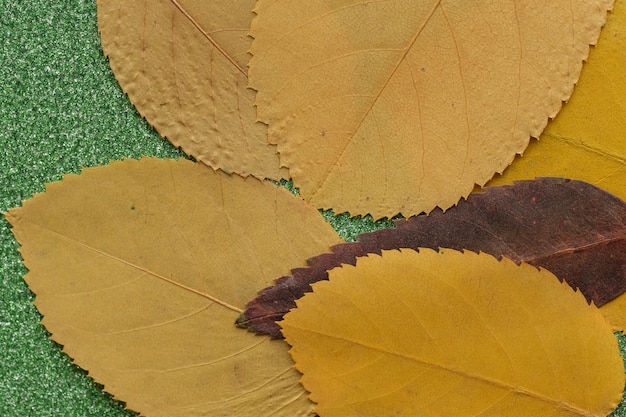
(572,228)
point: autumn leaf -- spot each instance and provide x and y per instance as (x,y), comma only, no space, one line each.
(586,140)
(465,342)
(140,268)
(574,229)
(183,66)
(401,106)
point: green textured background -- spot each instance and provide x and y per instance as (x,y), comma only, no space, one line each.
(61,109)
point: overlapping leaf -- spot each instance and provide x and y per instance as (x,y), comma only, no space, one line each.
(587,140)
(183,65)
(572,228)
(401,106)
(139,269)
(475,337)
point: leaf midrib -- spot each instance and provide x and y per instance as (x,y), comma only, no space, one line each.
(581,144)
(378,94)
(533,257)
(17,220)
(208,37)
(493,382)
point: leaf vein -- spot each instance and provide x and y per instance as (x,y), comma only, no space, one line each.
(376,97)
(135,266)
(460,372)
(208,36)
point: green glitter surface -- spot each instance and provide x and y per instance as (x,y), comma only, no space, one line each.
(61,109)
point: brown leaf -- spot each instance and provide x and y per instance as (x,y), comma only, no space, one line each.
(140,268)
(575,230)
(183,65)
(476,337)
(401,106)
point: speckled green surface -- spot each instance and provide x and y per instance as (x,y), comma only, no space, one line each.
(61,109)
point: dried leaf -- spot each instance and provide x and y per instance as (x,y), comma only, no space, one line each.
(575,230)
(183,65)
(139,269)
(615,312)
(586,140)
(465,342)
(401,106)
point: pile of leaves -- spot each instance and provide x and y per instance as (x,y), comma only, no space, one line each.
(501,301)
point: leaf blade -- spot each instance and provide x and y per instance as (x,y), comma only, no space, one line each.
(183,66)
(461,330)
(140,268)
(377,117)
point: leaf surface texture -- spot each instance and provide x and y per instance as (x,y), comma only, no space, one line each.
(464,342)
(572,228)
(183,64)
(140,268)
(586,140)
(401,106)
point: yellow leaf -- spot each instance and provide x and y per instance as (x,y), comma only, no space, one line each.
(140,269)
(587,140)
(615,312)
(402,105)
(445,334)
(183,65)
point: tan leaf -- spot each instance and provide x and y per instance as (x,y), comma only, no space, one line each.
(140,269)
(442,334)
(183,65)
(401,106)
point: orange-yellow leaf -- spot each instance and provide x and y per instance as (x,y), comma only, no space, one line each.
(140,269)
(615,312)
(587,140)
(403,105)
(442,334)
(183,65)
